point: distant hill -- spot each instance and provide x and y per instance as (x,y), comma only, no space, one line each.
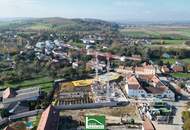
(57,24)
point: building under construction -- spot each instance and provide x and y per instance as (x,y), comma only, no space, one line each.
(76,92)
(102,90)
(89,93)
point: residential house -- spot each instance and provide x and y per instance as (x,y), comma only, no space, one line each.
(177,68)
(10,97)
(19,125)
(158,89)
(124,70)
(165,69)
(92,64)
(145,70)
(133,87)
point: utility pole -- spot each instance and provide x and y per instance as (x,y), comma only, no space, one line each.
(108,56)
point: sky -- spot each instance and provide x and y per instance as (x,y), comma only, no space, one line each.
(111,10)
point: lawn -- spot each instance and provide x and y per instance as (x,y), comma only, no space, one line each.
(170,60)
(44,82)
(181,75)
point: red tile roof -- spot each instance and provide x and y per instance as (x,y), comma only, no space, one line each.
(146,77)
(177,68)
(49,119)
(133,83)
(159,86)
(8,93)
(147,125)
(145,70)
(165,69)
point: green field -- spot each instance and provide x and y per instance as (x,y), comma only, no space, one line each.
(45,83)
(173,60)
(185,32)
(40,27)
(160,32)
(181,75)
(139,33)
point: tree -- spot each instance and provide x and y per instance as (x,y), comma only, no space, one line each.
(4,113)
(182,85)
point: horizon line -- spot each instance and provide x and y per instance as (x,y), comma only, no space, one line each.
(117,21)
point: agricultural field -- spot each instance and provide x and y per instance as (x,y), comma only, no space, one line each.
(158,32)
(168,42)
(161,36)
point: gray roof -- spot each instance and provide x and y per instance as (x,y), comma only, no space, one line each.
(1,93)
(22,97)
(24,94)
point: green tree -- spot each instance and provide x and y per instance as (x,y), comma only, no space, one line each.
(4,113)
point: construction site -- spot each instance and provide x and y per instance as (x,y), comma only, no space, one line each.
(101,91)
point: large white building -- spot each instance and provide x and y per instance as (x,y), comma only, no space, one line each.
(133,88)
(154,88)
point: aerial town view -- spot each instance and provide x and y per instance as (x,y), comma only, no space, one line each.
(94,65)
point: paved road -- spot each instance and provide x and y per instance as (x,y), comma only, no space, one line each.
(180,108)
(166,127)
(122,128)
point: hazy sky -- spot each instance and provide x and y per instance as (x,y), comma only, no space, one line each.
(125,10)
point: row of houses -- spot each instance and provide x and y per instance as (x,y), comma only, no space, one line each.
(173,68)
(142,70)
(143,82)
(147,87)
